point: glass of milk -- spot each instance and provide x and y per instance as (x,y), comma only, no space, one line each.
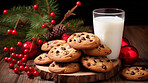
(108,25)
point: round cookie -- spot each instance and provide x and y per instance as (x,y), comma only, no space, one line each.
(98,64)
(101,50)
(42,59)
(48,45)
(64,53)
(83,40)
(64,67)
(135,73)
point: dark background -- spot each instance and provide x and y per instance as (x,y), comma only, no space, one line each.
(136,10)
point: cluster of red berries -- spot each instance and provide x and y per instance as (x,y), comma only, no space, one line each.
(13,32)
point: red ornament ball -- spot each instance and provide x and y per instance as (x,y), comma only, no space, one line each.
(6,59)
(35,6)
(52,14)
(9,59)
(31,69)
(78,3)
(19,63)
(128,55)
(5,49)
(26,51)
(44,26)
(13,61)
(53,22)
(24,59)
(29,73)
(19,44)
(36,73)
(65,36)
(14,32)
(26,68)
(40,42)
(9,31)
(16,70)
(21,56)
(34,50)
(124,42)
(33,38)
(21,68)
(17,56)
(12,49)
(11,66)
(5,11)
(13,55)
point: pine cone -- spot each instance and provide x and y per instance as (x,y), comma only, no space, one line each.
(57,32)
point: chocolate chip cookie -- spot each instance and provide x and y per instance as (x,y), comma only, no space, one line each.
(64,67)
(135,73)
(64,53)
(101,50)
(98,64)
(83,40)
(42,59)
(48,45)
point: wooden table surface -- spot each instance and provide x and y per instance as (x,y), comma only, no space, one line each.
(137,36)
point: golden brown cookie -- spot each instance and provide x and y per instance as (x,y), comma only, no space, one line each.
(101,50)
(135,73)
(64,67)
(83,40)
(48,45)
(98,64)
(64,53)
(42,59)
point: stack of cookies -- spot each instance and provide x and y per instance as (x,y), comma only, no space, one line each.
(63,56)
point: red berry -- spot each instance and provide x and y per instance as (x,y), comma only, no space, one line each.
(9,31)
(44,26)
(16,70)
(19,63)
(6,59)
(19,44)
(36,73)
(14,32)
(33,38)
(9,59)
(31,69)
(26,51)
(11,66)
(65,36)
(13,55)
(29,73)
(5,49)
(13,61)
(5,11)
(40,42)
(78,3)
(24,59)
(26,68)
(25,56)
(35,6)
(21,68)
(53,22)
(12,49)
(21,56)
(52,14)
(17,56)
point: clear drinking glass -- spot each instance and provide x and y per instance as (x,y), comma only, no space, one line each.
(108,25)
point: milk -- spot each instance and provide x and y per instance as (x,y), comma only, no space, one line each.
(109,29)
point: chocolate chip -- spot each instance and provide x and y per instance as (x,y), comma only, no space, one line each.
(142,68)
(136,68)
(127,73)
(90,40)
(39,58)
(88,64)
(95,61)
(96,47)
(132,73)
(102,46)
(82,33)
(108,60)
(47,44)
(76,51)
(61,65)
(63,48)
(57,51)
(86,59)
(83,38)
(101,61)
(71,55)
(52,65)
(79,41)
(142,74)
(51,52)
(104,67)
(99,49)
(78,36)
(45,56)
(74,34)
(140,78)
(55,48)
(87,36)
(74,40)
(70,40)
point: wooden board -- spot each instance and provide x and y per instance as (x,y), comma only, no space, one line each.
(81,76)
